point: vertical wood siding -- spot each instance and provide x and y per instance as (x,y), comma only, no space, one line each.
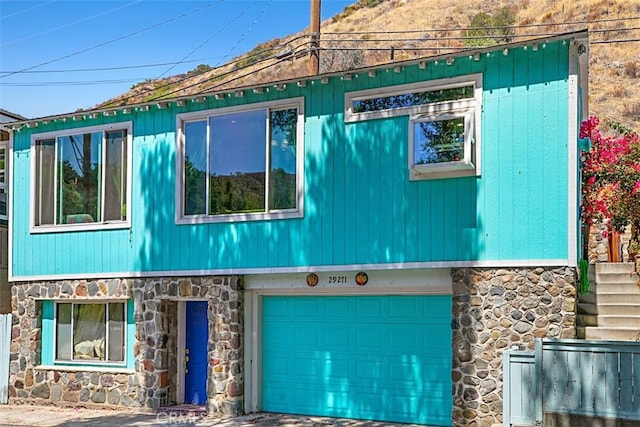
(359,205)
(520,388)
(579,382)
(591,378)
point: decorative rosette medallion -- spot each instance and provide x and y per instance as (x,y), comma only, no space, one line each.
(312,279)
(362,278)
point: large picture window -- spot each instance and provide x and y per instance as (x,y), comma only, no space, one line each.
(444,122)
(81,177)
(90,332)
(242,163)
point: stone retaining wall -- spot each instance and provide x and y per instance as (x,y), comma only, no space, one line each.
(152,382)
(598,247)
(493,310)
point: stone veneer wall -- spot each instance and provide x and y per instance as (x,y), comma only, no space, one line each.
(152,382)
(598,247)
(493,310)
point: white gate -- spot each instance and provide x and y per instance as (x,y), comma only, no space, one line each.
(5,344)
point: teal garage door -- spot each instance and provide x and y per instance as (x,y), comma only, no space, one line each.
(382,358)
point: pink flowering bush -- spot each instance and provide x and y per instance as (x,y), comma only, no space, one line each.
(611,177)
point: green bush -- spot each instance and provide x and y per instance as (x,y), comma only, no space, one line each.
(488,30)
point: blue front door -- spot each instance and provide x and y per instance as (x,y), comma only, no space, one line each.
(197,331)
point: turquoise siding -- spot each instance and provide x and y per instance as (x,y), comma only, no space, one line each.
(359,205)
(373,357)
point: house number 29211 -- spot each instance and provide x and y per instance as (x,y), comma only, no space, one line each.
(337,279)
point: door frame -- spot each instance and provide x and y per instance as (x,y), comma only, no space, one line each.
(181,343)
(435,281)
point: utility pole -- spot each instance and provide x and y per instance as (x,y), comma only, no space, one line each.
(314,57)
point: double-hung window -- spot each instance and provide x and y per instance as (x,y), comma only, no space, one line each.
(443,122)
(241,163)
(80,178)
(90,332)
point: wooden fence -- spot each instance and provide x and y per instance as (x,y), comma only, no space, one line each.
(572,378)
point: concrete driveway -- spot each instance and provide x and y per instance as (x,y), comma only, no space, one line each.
(48,416)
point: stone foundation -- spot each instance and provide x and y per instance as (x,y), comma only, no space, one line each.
(152,382)
(494,310)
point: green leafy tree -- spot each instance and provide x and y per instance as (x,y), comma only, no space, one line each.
(611,177)
(488,30)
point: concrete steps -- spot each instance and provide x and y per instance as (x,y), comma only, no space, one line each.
(606,309)
(611,308)
(608,334)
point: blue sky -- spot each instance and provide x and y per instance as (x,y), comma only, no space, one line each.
(43,43)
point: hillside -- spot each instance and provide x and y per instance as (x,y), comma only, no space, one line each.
(419,28)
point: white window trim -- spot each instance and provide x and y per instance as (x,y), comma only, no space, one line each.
(466,164)
(181,119)
(33,228)
(471,108)
(4,145)
(90,362)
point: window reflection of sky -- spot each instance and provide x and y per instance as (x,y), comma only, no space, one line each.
(196,144)
(237,143)
(423,152)
(71,150)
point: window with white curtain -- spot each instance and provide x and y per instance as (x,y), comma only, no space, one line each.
(90,332)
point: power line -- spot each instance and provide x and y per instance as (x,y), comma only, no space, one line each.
(549,24)
(72,83)
(243,35)
(124,67)
(29,70)
(466,38)
(114,40)
(208,89)
(440,48)
(616,41)
(208,40)
(30,36)
(271,49)
(25,10)
(248,58)
(235,70)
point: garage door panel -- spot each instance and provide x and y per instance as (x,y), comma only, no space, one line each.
(309,337)
(370,338)
(337,338)
(369,308)
(373,357)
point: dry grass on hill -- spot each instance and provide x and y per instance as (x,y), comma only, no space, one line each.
(349,37)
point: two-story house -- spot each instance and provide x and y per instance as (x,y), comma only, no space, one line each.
(361,244)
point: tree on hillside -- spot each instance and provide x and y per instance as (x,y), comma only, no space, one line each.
(487,30)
